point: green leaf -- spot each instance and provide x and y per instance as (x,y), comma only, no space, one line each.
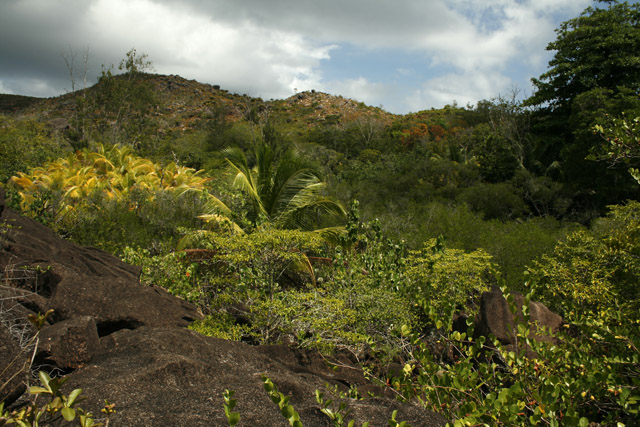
(38,390)
(584,422)
(233,418)
(73,396)
(68,413)
(288,411)
(45,379)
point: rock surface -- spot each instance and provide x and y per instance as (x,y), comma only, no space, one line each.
(495,317)
(82,281)
(120,341)
(169,376)
(17,361)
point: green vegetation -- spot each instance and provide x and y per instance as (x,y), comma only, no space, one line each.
(58,408)
(537,197)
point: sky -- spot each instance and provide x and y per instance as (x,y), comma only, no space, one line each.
(401,55)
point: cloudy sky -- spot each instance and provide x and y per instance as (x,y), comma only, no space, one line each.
(403,55)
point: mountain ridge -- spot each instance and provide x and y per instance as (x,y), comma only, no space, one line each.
(184,102)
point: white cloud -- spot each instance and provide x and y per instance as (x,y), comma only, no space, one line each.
(360,89)
(237,55)
(4,89)
(462,88)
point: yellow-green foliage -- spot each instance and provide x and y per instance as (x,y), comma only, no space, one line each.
(597,272)
(221,325)
(113,171)
(211,263)
(313,319)
(267,260)
(442,277)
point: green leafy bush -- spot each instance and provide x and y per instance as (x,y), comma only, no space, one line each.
(438,277)
(572,381)
(25,144)
(598,272)
(112,198)
(494,201)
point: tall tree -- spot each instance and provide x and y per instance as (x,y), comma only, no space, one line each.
(594,72)
(125,101)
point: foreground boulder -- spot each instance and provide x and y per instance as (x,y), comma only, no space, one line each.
(14,367)
(80,281)
(169,376)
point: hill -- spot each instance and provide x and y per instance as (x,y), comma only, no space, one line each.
(16,103)
(182,104)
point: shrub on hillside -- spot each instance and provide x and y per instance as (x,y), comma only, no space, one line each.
(495,201)
(25,144)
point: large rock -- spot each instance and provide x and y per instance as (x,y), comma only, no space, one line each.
(14,367)
(83,281)
(168,376)
(16,343)
(496,318)
(69,344)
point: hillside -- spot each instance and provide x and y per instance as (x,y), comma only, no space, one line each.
(16,103)
(182,104)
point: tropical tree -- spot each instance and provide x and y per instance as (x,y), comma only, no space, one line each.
(282,190)
(595,71)
(622,144)
(598,49)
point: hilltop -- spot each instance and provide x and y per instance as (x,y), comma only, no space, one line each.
(182,104)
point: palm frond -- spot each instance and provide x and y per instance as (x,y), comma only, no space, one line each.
(334,235)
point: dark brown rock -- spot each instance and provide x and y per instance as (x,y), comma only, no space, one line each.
(69,344)
(14,366)
(168,376)
(496,318)
(84,281)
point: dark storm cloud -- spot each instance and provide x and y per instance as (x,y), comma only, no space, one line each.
(269,48)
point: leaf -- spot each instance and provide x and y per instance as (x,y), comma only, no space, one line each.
(233,418)
(288,411)
(73,396)
(68,413)
(38,390)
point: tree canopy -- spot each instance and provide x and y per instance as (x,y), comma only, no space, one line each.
(598,49)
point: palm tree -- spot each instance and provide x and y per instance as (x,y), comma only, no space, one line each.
(284,191)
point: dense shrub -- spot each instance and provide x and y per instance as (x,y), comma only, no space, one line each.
(25,144)
(495,201)
(438,277)
(112,198)
(595,273)
(573,381)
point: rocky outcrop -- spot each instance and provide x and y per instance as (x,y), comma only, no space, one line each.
(14,364)
(127,343)
(169,376)
(81,281)
(496,318)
